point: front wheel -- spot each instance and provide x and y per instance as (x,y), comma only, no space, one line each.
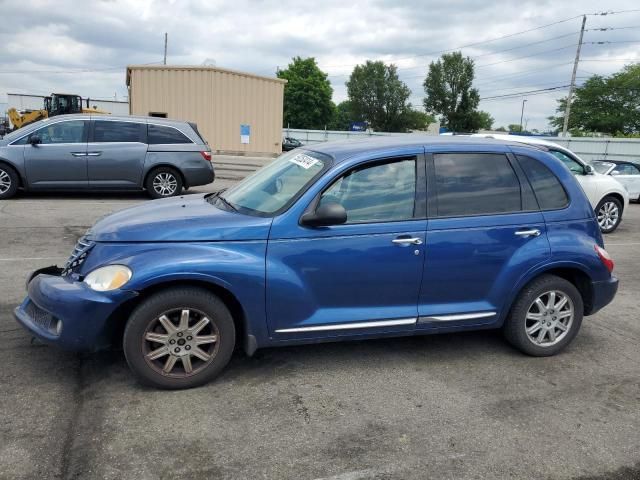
(609,214)
(179,338)
(163,182)
(8,182)
(545,317)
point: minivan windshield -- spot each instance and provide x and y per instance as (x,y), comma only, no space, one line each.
(275,186)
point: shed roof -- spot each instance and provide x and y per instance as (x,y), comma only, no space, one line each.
(200,67)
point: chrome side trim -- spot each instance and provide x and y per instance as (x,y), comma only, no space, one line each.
(455,317)
(351,326)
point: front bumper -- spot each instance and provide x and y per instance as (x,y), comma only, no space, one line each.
(603,294)
(82,312)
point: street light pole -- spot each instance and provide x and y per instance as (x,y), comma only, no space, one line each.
(522,114)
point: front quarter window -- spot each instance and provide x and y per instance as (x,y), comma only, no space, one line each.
(575,167)
(275,186)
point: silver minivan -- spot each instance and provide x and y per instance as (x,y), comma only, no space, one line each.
(105,152)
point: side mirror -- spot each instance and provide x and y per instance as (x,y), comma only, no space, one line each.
(34,139)
(588,170)
(327,214)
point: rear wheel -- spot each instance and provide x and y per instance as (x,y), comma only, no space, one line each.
(8,182)
(163,182)
(180,338)
(609,213)
(545,317)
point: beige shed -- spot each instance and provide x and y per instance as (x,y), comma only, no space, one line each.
(236,112)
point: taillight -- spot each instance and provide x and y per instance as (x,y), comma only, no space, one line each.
(206,155)
(605,258)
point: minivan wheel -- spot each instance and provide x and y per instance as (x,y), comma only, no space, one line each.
(8,182)
(179,338)
(545,317)
(609,213)
(163,182)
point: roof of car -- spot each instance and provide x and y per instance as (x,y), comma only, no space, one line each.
(98,116)
(616,162)
(343,149)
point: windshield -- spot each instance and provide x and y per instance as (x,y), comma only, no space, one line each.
(276,185)
(602,167)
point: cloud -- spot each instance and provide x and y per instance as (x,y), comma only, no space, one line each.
(83,46)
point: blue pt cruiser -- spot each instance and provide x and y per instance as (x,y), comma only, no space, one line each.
(337,241)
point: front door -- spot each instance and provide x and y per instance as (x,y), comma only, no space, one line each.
(116,154)
(359,277)
(485,232)
(59,160)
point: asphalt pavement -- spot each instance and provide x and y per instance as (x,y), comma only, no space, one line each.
(451,406)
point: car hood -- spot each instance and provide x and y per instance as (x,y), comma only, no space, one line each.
(179,219)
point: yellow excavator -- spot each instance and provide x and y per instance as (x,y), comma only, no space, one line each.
(56,104)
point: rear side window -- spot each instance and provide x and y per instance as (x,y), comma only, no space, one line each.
(111,131)
(546,186)
(159,134)
(475,184)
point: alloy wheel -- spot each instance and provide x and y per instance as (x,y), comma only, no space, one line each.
(165,184)
(608,215)
(549,318)
(5,182)
(181,342)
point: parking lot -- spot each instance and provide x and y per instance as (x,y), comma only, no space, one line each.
(454,406)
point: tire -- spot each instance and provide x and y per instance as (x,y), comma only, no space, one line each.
(163,182)
(160,349)
(525,314)
(9,182)
(609,214)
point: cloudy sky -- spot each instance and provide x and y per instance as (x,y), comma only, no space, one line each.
(83,46)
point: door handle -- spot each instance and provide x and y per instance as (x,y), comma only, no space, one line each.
(532,232)
(78,154)
(407,241)
(94,154)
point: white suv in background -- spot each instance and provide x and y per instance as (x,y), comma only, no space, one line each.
(607,196)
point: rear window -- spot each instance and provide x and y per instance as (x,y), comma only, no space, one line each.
(112,131)
(546,186)
(159,134)
(475,184)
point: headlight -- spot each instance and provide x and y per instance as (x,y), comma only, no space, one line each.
(108,278)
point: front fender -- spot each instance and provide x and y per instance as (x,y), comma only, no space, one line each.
(237,267)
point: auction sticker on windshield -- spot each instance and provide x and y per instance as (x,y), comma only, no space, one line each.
(305,161)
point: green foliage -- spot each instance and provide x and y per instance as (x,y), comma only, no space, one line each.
(609,105)
(501,129)
(514,127)
(307,95)
(343,116)
(483,120)
(417,120)
(377,95)
(449,93)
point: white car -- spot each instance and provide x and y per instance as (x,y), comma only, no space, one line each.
(627,173)
(608,197)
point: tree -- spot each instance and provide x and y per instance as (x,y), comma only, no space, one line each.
(501,129)
(514,127)
(307,95)
(343,116)
(482,120)
(417,120)
(608,105)
(449,93)
(377,95)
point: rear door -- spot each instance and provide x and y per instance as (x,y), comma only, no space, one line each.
(484,233)
(115,153)
(59,160)
(629,176)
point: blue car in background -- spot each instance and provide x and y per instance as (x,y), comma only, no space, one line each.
(339,241)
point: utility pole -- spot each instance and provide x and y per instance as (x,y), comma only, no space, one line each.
(522,114)
(567,109)
(165,47)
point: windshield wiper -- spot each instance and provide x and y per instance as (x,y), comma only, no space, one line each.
(217,196)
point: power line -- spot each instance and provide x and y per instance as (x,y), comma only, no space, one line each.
(529,92)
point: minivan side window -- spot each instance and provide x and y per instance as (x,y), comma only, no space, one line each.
(108,131)
(60,132)
(475,184)
(165,135)
(546,186)
(383,192)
